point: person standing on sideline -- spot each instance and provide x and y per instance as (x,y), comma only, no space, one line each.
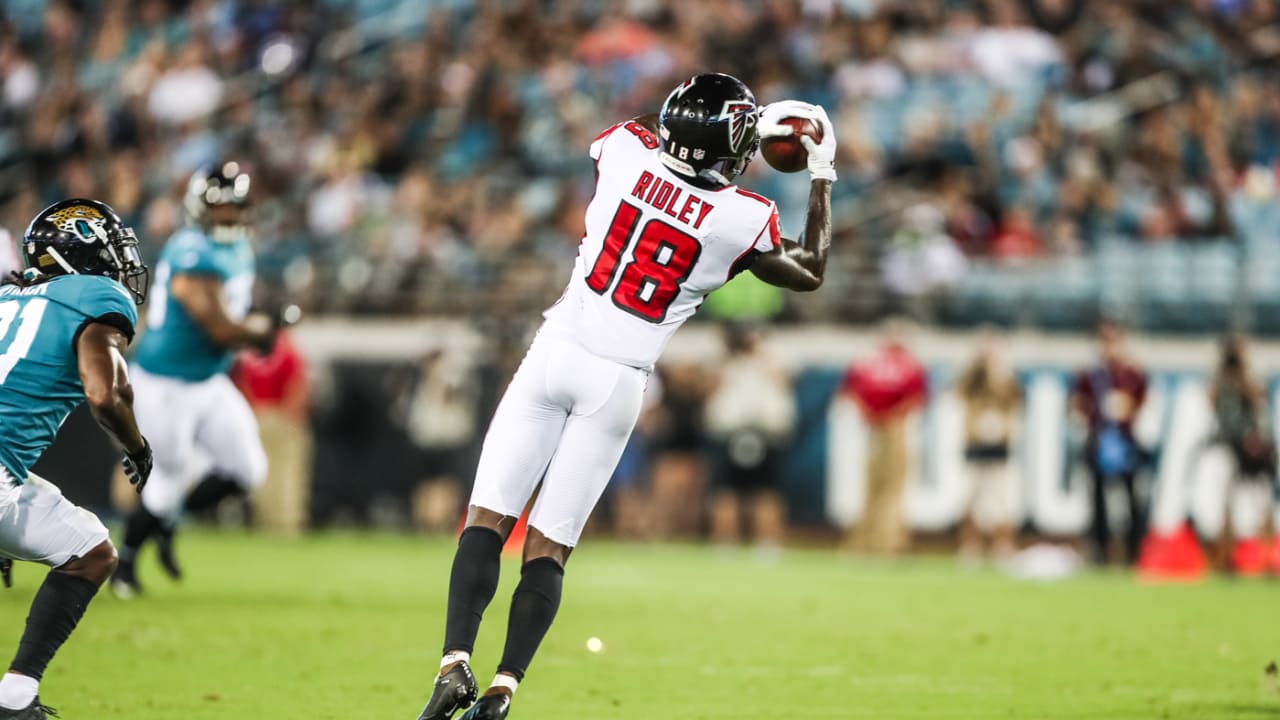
(1107,399)
(278,389)
(991,397)
(1240,410)
(750,417)
(888,388)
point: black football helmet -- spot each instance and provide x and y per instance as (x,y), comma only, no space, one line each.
(83,237)
(219,184)
(708,128)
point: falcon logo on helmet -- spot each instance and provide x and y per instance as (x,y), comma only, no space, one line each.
(741,116)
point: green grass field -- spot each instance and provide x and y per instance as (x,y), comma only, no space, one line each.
(348,626)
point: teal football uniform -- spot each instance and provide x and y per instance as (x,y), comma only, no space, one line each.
(174,345)
(39,373)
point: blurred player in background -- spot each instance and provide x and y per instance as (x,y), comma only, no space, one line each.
(64,325)
(665,228)
(205,435)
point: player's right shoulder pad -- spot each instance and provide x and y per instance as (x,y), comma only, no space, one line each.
(626,137)
(597,145)
(100,296)
(190,251)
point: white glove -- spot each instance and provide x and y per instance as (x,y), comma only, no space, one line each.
(821,155)
(773,114)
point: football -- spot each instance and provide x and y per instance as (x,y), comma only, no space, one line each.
(787,154)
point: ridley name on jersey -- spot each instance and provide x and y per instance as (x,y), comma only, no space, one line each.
(654,247)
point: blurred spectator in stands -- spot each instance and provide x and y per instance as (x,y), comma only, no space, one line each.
(750,416)
(277,387)
(922,262)
(992,399)
(1107,398)
(1017,240)
(1009,51)
(629,489)
(1240,409)
(1034,105)
(441,422)
(888,388)
(188,90)
(968,224)
(679,466)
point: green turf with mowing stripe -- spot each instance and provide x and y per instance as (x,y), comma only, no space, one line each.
(349,626)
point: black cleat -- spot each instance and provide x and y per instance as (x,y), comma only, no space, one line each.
(34,711)
(452,691)
(489,707)
(124,583)
(165,553)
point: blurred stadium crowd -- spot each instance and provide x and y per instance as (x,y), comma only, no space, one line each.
(1002,160)
(1014,162)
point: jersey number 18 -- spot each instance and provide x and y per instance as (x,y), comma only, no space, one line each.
(662,260)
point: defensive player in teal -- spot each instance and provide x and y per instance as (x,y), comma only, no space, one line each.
(205,436)
(64,325)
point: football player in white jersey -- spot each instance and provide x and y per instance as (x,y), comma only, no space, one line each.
(665,228)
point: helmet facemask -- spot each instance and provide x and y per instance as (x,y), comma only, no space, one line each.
(227,223)
(131,270)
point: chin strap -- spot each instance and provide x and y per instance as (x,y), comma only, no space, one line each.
(715,177)
(62,262)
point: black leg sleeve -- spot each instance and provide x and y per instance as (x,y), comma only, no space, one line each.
(140,527)
(472,583)
(58,606)
(211,491)
(533,608)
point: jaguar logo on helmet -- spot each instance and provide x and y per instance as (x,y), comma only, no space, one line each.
(82,221)
(741,117)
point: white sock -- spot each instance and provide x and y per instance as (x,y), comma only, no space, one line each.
(505,681)
(17,691)
(454,656)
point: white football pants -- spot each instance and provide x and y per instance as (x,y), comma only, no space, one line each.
(564,421)
(195,428)
(39,524)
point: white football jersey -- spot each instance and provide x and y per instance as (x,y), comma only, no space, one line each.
(654,247)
